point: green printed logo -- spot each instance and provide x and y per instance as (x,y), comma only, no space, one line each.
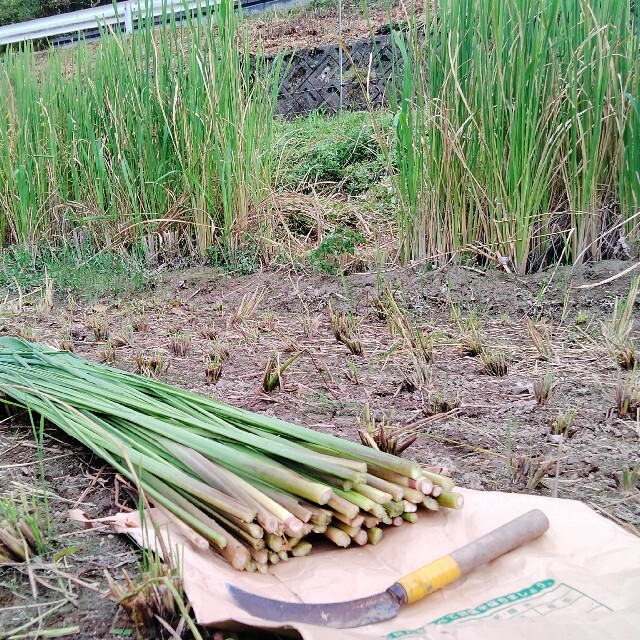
(486,607)
(540,599)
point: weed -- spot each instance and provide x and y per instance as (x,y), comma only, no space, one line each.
(541,337)
(140,324)
(157,598)
(313,157)
(222,349)
(455,308)
(290,345)
(215,361)
(627,356)
(21,528)
(417,345)
(72,269)
(209,333)
(249,305)
(180,345)
(45,304)
(243,260)
(250,334)
(310,324)
(566,303)
(151,365)
(108,355)
(631,480)
(437,403)
(530,472)
(562,424)
(218,306)
(617,330)
(495,363)
(122,339)
(273,374)
(471,344)
(345,329)
(543,388)
(420,377)
(213,367)
(582,317)
(268,321)
(27,333)
(66,344)
(381,435)
(100,328)
(379,308)
(627,397)
(352,371)
(335,251)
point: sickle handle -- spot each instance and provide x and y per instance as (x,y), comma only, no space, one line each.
(445,570)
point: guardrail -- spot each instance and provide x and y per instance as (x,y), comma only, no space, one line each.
(123,17)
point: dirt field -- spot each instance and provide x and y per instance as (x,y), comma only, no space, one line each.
(493,435)
(316,26)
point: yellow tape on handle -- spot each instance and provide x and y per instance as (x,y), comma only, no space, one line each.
(430,578)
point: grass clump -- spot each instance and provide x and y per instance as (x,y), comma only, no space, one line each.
(562,425)
(381,435)
(273,374)
(631,480)
(627,397)
(345,330)
(160,138)
(314,156)
(437,403)
(108,355)
(471,341)
(543,388)
(617,330)
(151,365)
(100,327)
(180,344)
(540,335)
(336,251)
(213,368)
(416,344)
(516,130)
(156,600)
(495,363)
(79,270)
(215,361)
(22,529)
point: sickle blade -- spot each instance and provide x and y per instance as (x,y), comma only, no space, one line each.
(337,615)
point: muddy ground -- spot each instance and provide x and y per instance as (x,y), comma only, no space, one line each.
(496,436)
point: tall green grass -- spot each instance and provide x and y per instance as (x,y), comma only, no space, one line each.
(517,130)
(516,126)
(161,137)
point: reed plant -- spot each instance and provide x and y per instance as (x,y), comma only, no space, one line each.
(238,480)
(517,130)
(159,137)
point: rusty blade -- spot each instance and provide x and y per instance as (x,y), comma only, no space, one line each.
(338,615)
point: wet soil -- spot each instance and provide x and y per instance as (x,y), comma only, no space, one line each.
(498,437)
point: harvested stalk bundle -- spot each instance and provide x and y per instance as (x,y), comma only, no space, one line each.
(251,487)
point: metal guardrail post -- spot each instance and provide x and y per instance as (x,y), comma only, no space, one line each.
(84,20)
(128,18)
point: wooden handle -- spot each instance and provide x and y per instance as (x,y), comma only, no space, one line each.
(494,544)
